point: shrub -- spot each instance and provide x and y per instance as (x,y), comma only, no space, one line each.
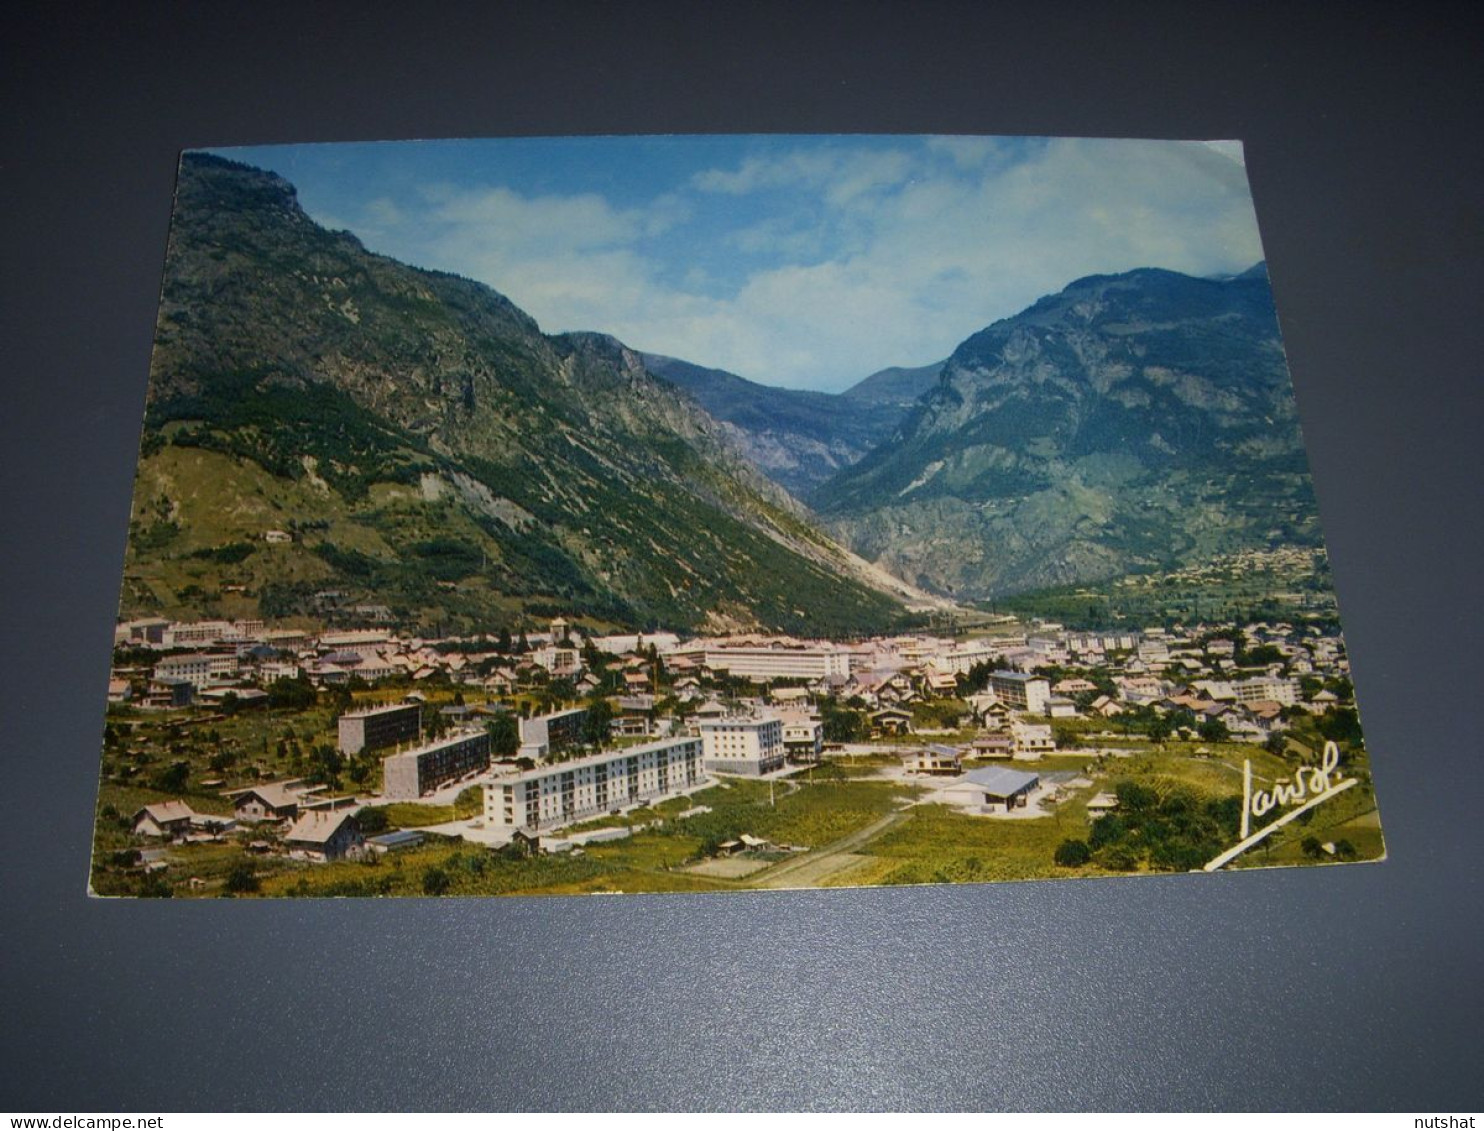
(241,878)
(1073,853)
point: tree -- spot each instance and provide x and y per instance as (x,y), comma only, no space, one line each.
(592,659)
(1135,798)
(841,724)
(504,735)
(372,821)
(241,879)
(1107,829)
(435,881)
(361,766)
(1213,730)
(325,764)
(173,778)
(598,722)
(1073,853)
(1341,725)
(1263,655)
(1276,744)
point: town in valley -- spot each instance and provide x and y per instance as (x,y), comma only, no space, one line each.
(244,757)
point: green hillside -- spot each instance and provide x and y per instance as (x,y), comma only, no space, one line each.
(1132,422)
(429,449)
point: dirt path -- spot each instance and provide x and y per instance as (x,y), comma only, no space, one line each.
(814,867)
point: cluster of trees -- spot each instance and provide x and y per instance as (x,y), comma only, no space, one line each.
(1177,832)
(843,722)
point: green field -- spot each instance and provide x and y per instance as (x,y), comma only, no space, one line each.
(818,813)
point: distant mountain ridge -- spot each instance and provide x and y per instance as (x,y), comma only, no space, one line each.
(1129,422)
(797,437)
(428,448)
(899,386)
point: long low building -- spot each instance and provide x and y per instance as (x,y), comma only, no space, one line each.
(408,775)
(994,787)
(761,664)
(551,796)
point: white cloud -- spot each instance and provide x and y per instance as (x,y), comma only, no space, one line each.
(840,175)
(886,255)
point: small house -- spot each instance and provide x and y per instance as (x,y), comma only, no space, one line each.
(163,819)
(324,834)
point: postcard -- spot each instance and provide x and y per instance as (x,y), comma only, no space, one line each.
(723,513)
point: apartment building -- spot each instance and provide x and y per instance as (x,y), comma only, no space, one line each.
(376,728)
(1276,690)
(201,669)
(551,796)
(1020,691)
(409,774)
(743,744)
(556,731)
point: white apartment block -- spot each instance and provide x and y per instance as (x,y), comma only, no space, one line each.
(551,796)
(365,643)
(1284,691)
(1102,641)
(1153,651)
(202,669)
(766,663)
(559,660)
(1020,691)
(743,744)
(961,660)
(185,633)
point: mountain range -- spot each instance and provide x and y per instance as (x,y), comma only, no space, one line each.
(1130,422)
(797,437)
(425,447)
(325,424)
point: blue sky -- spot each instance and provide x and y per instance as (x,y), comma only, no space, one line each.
(807,262)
